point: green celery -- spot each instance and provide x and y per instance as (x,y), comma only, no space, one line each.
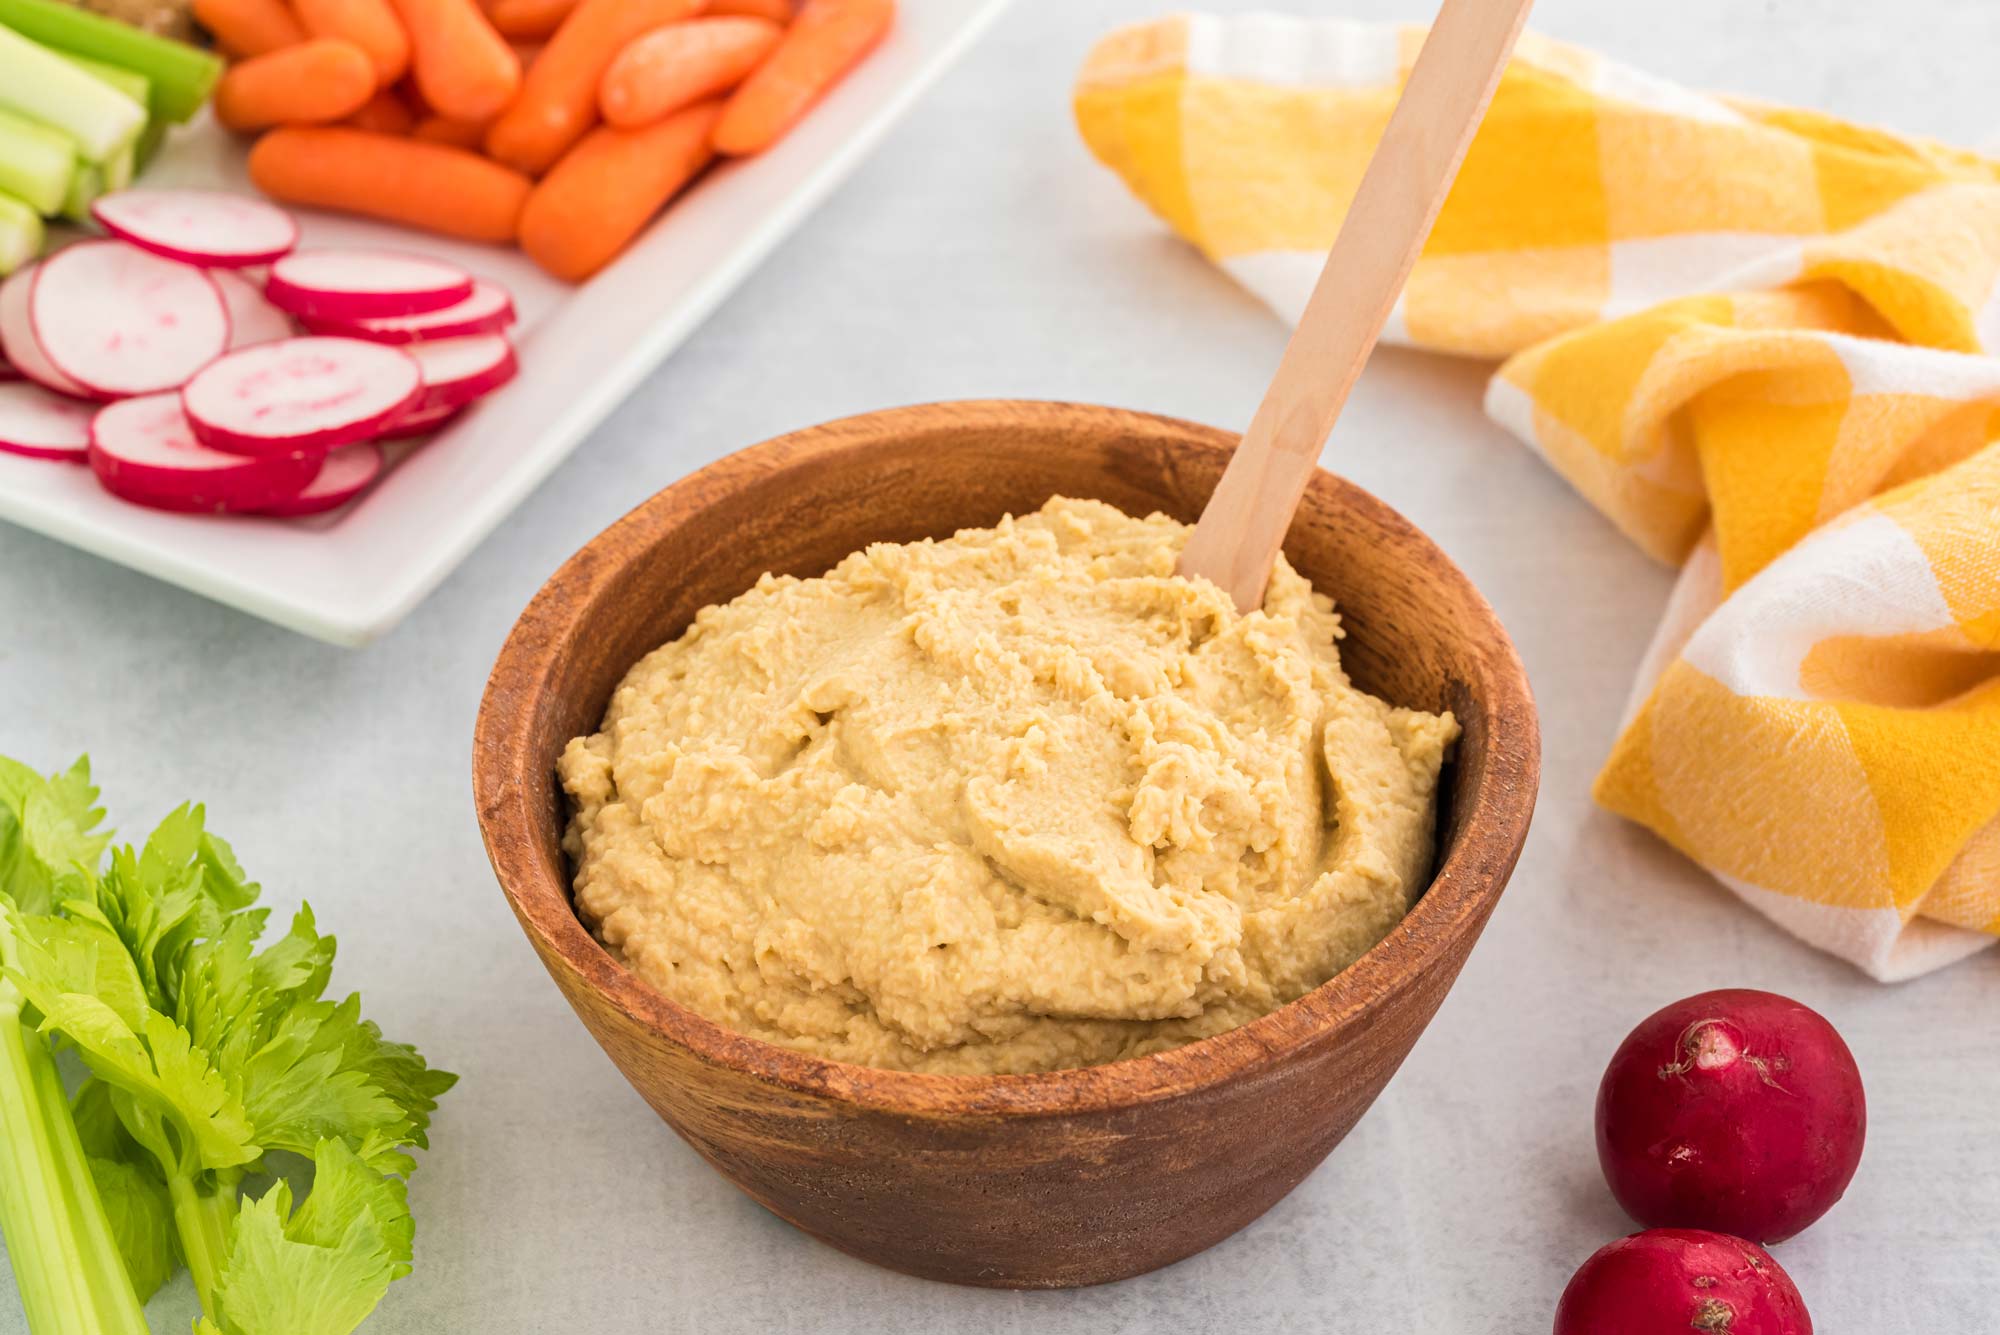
(42,86)
(121,167)
(21,234)
(206,1055)
(148,144)
(203,1220)
(92,180)
(85,185)
(129,82)
(59,1240)
(182,76)
(35,162)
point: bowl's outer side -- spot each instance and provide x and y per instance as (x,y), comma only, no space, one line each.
(1064,1179)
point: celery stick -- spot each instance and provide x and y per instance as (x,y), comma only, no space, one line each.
(182,76)
(20,234)
(84,188)
(35,162)
(148,144)
(129,82)
(66,1262)
(41,85)
(120,168)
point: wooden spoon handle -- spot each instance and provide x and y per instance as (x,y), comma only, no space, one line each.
(1241,529)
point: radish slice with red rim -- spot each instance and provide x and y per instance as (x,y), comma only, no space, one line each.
(487,311)
(252,320)
(17,336)
(42,425)
(205,227)
(422,422)
(346,474)
(7,371)
(118,320)
(459,370)
(364,284)
(300,394)
(144,450)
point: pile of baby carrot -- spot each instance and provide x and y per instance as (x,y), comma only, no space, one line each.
(563,125)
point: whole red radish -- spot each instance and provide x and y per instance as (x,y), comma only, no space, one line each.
(1737,1110)
(1669,1281)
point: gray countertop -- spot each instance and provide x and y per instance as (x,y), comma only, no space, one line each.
(980,253)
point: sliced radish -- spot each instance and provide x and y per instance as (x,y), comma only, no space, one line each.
(118,320)
(7,371)
(300,394)
(422,422)
(364,284)
(203,227)
(252,320)
(459,370)
(17,336)
(487,311)
(345,474)
(144,450)
(42,425)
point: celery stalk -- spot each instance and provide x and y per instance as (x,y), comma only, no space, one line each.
(59,1240)
(41,85)
(84,188)
(148,144)
(35,162)
(129,82)
(98,1261)
(201,1223)
(182,76)
(121,167)
(21,234)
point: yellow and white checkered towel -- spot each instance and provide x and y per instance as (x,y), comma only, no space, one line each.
(1765,343)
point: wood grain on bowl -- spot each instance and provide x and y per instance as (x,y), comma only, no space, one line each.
(1070,1177)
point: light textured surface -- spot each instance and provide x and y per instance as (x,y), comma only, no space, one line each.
(982,254)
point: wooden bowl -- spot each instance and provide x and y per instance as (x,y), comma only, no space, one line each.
(1067,1178)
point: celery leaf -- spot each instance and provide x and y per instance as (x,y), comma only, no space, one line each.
(322,1270)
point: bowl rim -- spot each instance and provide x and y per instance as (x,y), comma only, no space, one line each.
(1457,899)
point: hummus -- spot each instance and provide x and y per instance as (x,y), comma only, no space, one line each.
(1018,800)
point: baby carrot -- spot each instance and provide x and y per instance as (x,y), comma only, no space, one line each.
(432,186)
(459,134)
(668,68)
(249,27)
(533,19)
(384,113)
(319,80)
(463,68)
(608,187)
(369,24)
(778,11)
(823,43)
(558,99)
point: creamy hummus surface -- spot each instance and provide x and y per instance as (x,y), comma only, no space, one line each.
(1018,800)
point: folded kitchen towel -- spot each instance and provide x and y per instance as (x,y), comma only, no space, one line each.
(1760,340)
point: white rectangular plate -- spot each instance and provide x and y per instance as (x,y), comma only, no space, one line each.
(350,576)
